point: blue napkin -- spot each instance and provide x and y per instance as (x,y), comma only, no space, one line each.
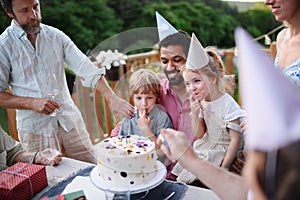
(160,192)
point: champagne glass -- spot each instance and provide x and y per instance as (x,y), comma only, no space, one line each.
(49,148)
(53,96)
(54,93)
(49,145)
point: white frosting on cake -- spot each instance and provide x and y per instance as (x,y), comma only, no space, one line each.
(127,161)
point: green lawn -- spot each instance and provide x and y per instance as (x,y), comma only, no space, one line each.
(3,121)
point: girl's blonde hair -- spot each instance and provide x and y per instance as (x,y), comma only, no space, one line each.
(214,68)
(144,80)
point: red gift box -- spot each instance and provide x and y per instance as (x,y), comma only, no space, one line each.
(22,181)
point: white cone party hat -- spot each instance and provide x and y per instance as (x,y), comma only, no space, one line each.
(197,57)
(270,98)
(164,27)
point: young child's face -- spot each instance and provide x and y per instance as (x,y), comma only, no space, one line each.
(144,101)
(197,84)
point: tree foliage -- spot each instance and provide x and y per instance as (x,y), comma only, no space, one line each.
(88,23)
(4,19)
(258,20)
(192,17)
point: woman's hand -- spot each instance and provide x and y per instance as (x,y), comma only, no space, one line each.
(174,144)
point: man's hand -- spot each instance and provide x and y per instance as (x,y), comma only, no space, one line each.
(119,106)
(44,105)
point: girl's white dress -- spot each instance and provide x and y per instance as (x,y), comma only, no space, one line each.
(213,145)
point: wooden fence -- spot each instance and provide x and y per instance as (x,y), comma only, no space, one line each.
(95,109)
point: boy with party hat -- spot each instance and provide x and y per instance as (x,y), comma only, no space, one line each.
(216,116)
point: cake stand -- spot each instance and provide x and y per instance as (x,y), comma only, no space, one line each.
(105,186)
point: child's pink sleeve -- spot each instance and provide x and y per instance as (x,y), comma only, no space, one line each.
(116,130)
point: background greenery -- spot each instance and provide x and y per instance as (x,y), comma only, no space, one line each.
(88,23)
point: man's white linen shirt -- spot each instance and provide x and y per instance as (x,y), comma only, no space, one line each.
(29,71)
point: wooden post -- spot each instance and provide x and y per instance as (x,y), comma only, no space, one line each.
(12,124)
(12,120)
(229,61)
(273,49)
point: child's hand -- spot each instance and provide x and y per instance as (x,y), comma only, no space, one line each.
(177,144)
(196,106)
(238,163)
(143,120)
(243,125)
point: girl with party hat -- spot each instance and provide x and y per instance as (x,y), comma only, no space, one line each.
(216,116)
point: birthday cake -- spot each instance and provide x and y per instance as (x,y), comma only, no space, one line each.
(127,160)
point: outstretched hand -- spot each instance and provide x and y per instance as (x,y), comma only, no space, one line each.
(120,107)
(178,145)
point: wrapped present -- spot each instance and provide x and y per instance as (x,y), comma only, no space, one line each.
(78,195)
(22,181)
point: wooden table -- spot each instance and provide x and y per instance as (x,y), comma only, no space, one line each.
(70,166)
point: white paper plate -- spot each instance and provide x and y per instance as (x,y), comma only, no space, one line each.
(102,185)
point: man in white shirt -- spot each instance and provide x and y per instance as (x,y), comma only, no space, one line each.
(32,59)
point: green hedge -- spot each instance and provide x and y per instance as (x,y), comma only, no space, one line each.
(3,120)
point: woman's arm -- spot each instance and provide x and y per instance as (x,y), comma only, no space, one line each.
(225,184)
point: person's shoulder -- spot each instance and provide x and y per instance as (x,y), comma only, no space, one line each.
(230,102)
(4,36)
(228,97)
(164,82)
(160,107)
(51,29)
(232,109)
(161,112)
(280,36)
